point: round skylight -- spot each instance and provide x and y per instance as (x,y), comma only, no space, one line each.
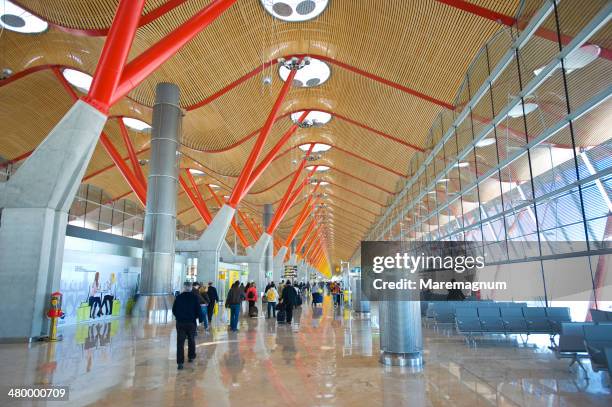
(320,168)
(78,79)
(517,111)
(195,171)
(485,142)
(314,74)
(318,147)
(313,118)
(135,124)
(294,10)
(14,18)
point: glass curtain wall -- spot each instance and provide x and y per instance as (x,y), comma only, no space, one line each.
(526,156)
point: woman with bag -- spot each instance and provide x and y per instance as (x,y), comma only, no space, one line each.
(271,297)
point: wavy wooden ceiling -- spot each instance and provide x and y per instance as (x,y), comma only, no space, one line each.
(423,45)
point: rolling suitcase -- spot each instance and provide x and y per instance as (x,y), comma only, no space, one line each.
(253,312)
(281,316)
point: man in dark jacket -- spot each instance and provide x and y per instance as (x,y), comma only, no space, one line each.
(289,300)
(213,297)
(186,309)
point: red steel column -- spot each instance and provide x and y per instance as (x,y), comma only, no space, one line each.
(146,63)
(139,189)
(115,52)
(241,189)
(131,151)
(261,167)
(196,202)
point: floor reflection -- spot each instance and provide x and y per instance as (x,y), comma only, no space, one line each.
(325,357)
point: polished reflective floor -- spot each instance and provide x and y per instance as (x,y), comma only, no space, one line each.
(326,358)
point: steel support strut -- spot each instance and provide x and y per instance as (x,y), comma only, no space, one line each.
(131,152)
(146,63)
(261,167)
(115,53)
(288,197)
(242,185)
(139,189)
(302,218)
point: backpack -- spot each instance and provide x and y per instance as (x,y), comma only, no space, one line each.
(251,296)
(271,296)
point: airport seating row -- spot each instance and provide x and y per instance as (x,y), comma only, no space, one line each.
(582,340)
(443,312)
(511,320)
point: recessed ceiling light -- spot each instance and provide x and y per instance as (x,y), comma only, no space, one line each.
(485,142)
(195,171)
(323,183)
(78,79)
(14,18)
(442,180)
(135,124)
(294,10)
(214,186)
(517,111)
(318,147)
(314,74)
(314,118)
(461,164)
(320,168)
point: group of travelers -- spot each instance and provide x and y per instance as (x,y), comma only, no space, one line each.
(197,302)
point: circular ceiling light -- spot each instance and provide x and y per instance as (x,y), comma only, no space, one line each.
(485,142)
(323,183)
(314,74)
(78,79)
(14,18)
(517,111)
(320,168)
(461,164)
(214,186)
(195,171)
(314,118)
(318,147)
(135,124)
(443,180)
(294,10)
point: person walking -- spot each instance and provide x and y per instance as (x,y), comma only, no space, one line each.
(272,297)
(234,297)
(205,304)
(213,298)
(186,310)
(289,300)
(196,291)
(251,296)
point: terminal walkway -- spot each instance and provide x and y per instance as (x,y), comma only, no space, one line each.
(327,359)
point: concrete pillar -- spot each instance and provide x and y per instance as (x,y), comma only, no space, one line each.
(155,298)
(35,204)
(268,267)
(401,338)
